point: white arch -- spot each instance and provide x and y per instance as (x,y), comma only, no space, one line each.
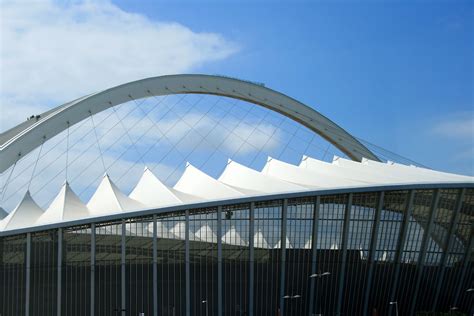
(22,139)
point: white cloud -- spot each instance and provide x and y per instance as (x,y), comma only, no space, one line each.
(52,53)
(457,127)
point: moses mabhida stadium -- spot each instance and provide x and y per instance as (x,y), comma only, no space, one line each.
(210,195)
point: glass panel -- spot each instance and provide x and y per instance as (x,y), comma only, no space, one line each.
(171,233)
(12,275)
(203,261)
(362,218)
(267,234)
(76,271)
(235,258)
(330,226)
(44,259)
(139,266)
(298,255)
(391,218)
(108,268)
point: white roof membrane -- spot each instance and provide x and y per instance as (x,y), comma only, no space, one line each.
(109,199)
(309,178)
(66,206)
(151,192)
(242,177)
(197,183)
(236,181)
(25,214)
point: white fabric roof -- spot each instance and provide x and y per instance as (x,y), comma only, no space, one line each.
(197,183)
(235,181)
(232,237)
(309,178)
(109,199)
(242,177)
(152,192)
(25,214)
(66,206)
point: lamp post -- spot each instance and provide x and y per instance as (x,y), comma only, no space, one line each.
(318,276)
(207,307)
(396,307)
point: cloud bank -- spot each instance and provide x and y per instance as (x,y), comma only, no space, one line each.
(52,53)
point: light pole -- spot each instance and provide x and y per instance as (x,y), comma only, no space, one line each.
(207,307)
(396,307)
(318,276)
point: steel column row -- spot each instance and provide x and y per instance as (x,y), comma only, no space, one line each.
(313,286)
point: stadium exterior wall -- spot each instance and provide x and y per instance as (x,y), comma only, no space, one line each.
(411,244)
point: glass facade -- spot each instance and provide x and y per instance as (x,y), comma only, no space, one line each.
(346,254)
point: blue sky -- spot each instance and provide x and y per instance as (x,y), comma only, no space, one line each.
(399,74)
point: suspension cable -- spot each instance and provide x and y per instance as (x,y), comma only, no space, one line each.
(97,139)
(36,163)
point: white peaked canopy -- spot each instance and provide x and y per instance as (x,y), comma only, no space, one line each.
(66,206)
(151,192)
(242,177)
(232,237)
(259,240)
(308,244)
(25,214)
(308,178)
(288,244)
(236,181)
(3,213)
(344,172)
(179,230)
(161,230)
(109,199)
(195,182)
(205,233)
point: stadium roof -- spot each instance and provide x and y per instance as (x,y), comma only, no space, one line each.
(236,181)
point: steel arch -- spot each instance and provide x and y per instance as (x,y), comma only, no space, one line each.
(22,139)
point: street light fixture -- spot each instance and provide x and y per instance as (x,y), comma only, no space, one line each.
(319,276)
(470,290)
(207,307)
(396,307)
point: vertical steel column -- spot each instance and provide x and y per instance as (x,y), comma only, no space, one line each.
(219,260)
(187,268)
(155,268)
(28,274)
(60,269)
(92,288)
(449,241)
(345,235)
(424,247)
(283,256)
(465,264)
(251,256)
(123,271)
(372,250)
(401,243)
(314,249)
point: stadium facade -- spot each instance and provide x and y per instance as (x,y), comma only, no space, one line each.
(353,237)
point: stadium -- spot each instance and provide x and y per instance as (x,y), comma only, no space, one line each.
(256,217)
